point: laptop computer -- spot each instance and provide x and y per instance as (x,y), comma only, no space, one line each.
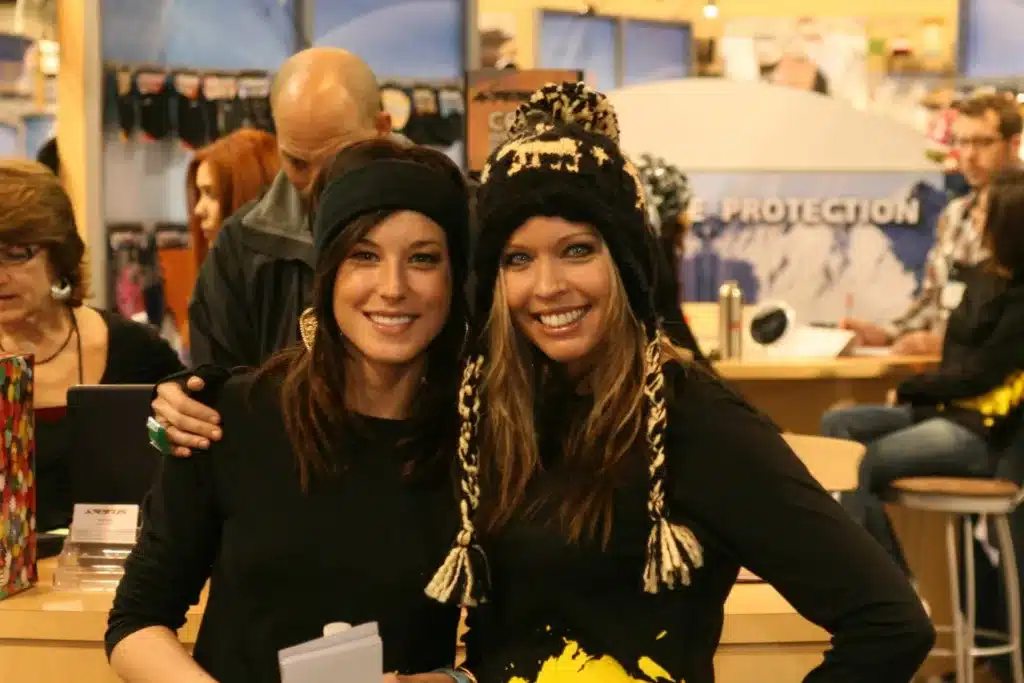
(112,460)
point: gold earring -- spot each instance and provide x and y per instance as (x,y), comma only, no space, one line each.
(307,327)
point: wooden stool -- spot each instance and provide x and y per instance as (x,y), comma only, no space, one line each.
(960,499)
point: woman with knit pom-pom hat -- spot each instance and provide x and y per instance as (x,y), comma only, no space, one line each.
(612,489)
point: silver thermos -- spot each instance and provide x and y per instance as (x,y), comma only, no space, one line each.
(730,320)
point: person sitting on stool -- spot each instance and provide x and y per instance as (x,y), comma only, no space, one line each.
(944,422)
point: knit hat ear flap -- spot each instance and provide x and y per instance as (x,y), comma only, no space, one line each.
(457,568)
(672,549)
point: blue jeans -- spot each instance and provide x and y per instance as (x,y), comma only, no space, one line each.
(897,448)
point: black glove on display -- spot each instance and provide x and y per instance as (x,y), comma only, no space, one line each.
(230,112)
(221,104)
(254,95)
(425,119)
(193,127)
(453,115)
(127,96)
(154,103)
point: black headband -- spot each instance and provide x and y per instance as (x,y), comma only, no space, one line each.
(392,185)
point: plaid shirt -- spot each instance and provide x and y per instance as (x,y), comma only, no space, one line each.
(957,240)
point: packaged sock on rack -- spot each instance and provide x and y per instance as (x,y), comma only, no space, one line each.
(127,99)
(154,104)
(193,126)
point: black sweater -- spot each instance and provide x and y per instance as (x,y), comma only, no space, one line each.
(136,354)
(751,502)
(360,546)
(983,346)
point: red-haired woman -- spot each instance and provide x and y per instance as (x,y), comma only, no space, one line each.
(224,175)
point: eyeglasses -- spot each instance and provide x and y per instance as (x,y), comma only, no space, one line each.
(17,254)
(981,142)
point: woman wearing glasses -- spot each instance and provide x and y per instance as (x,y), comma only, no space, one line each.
(43,282)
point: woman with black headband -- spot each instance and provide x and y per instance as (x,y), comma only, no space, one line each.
(611,487)
(330,498)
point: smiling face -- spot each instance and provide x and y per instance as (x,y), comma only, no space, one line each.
(558,285)
(392,293)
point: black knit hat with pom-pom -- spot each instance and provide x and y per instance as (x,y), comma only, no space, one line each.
(562,159)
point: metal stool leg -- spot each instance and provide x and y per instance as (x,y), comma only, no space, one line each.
(954,592)
(970,602)
(1008,559)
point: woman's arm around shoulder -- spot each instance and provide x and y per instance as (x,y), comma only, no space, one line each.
(733,472)
(182,519)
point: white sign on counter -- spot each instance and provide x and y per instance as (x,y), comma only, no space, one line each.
(110,524)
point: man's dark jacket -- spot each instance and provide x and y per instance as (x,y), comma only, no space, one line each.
(256,281)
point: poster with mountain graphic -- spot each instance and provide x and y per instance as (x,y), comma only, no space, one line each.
(797,196)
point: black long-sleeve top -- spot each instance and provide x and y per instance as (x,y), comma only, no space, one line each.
(360,546)
(136,354)
(983,343)
(751,502)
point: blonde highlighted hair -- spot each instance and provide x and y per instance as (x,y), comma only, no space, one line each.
(598,447)
(629,417)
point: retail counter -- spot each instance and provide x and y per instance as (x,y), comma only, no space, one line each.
(796,392)
(57,637)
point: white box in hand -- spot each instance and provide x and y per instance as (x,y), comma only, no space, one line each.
(354,655)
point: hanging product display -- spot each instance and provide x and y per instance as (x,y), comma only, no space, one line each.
(126,98)
(427,114)
(199,106)
(425,119)
(136,280)
(192,125)
(453,113)
(225,111)
(154,102)
(254,93)
(195,106)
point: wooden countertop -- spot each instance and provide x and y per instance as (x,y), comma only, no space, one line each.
(42,613)
(857,367)
(755,613)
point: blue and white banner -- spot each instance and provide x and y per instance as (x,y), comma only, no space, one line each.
(827,244)
(797,195)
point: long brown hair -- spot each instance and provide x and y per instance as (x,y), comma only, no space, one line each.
(1004,221)
(313,382)
(243,164)
(596,453)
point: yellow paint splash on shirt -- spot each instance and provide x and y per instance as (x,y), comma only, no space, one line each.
(574,665)
(653,670)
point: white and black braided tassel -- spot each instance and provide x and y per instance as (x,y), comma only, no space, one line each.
(672,549)
(457,570)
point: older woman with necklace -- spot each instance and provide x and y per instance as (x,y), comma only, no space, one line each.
(42,290)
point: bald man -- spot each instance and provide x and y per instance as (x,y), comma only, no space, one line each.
(257,278)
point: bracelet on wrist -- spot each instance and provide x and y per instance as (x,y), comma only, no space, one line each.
(458,674)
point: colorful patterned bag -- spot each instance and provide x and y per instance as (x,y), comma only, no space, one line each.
(17,476)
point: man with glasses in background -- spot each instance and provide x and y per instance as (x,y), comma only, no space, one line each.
(986,138)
